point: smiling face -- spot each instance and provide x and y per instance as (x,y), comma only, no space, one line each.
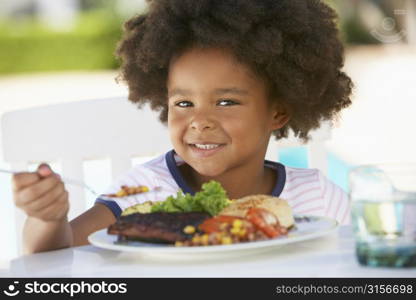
(219,116)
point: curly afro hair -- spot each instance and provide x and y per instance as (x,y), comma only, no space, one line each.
(292,44)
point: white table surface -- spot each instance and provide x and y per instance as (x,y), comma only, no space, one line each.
(329,256)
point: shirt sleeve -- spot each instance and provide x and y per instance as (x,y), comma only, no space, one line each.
(337,204)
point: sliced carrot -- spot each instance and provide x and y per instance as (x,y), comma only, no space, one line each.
(261,220)
(214,224)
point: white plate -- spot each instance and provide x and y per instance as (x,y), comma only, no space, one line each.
(307,227)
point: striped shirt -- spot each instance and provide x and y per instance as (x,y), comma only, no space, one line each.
(307,191)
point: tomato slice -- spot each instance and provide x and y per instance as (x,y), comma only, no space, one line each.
(265,221)
(214,224)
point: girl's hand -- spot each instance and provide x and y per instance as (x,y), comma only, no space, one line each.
(41,194)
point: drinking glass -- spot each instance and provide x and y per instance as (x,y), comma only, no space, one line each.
(383,199)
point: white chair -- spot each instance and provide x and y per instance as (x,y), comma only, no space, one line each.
(114,128)
(71,133)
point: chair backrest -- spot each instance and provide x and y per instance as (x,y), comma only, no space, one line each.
(71,133)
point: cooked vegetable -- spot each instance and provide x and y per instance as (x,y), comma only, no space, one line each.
(258,224)
(189,229)
(143,208)
(265,221)
(217,224)
(129,190)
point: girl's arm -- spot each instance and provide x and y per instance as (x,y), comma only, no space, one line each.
(96,218)
(39,235)
(42,196)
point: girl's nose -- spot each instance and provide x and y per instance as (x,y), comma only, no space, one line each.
(202,121)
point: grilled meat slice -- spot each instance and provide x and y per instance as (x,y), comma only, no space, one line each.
(158,227)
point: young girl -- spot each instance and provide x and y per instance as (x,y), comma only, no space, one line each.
(225,76)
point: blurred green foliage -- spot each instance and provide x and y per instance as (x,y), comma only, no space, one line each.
(354,33)
(31,47)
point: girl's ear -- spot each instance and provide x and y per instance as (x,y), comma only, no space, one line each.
(280,117)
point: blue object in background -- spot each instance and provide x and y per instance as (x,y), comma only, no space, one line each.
(296,157)
(338,169)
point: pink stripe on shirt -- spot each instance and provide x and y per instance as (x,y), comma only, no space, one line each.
(308,191)
(329,202)
(294,187)
(315,194)
(293,178)
(307,201)
(338,206)
(311,210)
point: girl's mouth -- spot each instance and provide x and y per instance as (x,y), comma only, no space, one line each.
(206,149)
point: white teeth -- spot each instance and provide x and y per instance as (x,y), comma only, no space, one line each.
(206,146)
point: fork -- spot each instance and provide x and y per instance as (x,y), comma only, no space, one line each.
(87,187)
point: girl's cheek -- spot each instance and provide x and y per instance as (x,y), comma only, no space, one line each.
(175,120)
(231,119)
(176,126)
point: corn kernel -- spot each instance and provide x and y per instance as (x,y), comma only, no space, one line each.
(237,223)
(189,229)
(196,239)
(242,232)
(235,231)
(178,244)
(204,239)
(121,193)
(144,189)
(226,240)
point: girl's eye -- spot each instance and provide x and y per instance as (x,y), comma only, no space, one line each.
(183,104)
(227,102)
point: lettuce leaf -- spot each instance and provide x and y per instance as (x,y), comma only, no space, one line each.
(211,199)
